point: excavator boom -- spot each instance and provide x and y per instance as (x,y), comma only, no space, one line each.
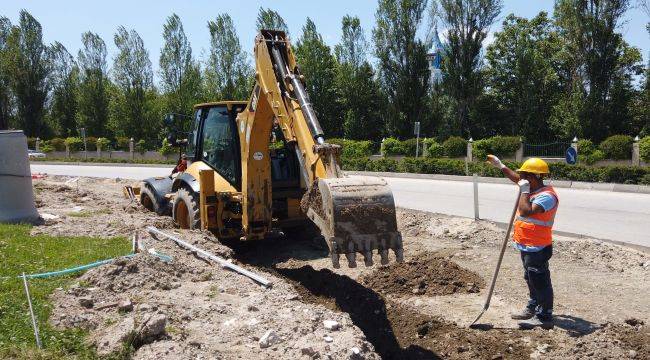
(354,214)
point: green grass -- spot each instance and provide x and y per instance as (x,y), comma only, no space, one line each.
(20,252)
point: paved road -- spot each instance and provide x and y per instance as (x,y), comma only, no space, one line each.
(623,217)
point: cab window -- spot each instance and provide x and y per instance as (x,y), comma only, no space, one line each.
(193,135)
(220,143)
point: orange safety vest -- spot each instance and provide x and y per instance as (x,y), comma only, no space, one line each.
(536,229)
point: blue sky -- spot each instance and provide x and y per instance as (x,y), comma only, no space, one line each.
(65,20)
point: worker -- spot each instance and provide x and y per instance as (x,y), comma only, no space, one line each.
(181,165)
(533,225)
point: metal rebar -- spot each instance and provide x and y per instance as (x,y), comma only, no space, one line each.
(31,312)
(221,261)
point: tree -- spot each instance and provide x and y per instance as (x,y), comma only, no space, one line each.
(467,23)
(589,30)
(133,112)
(6,105)
(521,75)
(318,65)
(403,67)
(93,91)
(357,90)
(228,73)
(353,47)
(65,84)
(268,19)
(180,74)
(28,68)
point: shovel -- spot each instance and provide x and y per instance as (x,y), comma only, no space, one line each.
(496,271)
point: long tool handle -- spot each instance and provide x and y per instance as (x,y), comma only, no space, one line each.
(503,250)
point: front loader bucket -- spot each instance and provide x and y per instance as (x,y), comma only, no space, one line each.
(355,215)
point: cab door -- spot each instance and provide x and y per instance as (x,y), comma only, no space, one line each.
(220,143)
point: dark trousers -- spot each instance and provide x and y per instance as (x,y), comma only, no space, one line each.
(538,278)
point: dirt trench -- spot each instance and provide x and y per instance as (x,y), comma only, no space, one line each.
(396,330)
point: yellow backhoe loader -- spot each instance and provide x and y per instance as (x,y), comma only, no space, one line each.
(263,164)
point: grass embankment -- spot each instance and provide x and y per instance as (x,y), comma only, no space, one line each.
(20,252)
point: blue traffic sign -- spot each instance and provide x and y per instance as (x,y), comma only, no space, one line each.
(571,156)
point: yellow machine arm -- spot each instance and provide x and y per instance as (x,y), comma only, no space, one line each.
(354,214)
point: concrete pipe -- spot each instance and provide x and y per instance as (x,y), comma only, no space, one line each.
(16,193)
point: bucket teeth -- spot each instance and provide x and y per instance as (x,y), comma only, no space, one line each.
(384,256)
(367,257)
(352,259)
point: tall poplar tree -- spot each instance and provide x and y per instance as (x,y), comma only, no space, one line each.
(228,72)
(179,72)
(65,85)
(133,111)
(269,19)
(467,23)
(29,69)
(93,91)
(403,67)
(318,65)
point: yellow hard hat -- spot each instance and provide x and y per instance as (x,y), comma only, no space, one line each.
(534,166)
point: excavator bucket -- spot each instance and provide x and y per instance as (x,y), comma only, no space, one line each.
(355,215)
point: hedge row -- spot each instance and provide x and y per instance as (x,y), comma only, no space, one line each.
(559,171)
(108,160)
(77,144)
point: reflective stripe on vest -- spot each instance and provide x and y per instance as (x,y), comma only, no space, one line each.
(535,221)
(536,229)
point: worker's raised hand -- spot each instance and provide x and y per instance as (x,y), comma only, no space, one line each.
(494,161)
(524,186)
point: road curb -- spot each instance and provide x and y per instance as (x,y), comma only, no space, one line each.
(628,188)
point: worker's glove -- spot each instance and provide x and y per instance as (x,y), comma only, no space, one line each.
(524,186)
(494,161)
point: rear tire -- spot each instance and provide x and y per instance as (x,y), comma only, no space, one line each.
(185,210)
(148,200)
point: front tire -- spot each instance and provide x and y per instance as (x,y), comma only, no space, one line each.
(148,201)
(185,210)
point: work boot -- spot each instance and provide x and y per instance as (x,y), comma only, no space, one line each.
(537,321)
(525,314)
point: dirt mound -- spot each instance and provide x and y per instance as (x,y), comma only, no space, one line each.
(428,274)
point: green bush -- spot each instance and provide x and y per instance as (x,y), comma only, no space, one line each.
(104,143)
(166,148)
(46,148)
(122,143)
(501,146)
(91,142)
(31,143)
(623,174)
(434,150)
(559,171)
(644,149)
(645,180)
(593,157)
(355,164)
(585,147)
(393,146)
(141,146)
(617,147)
(410,145)
(74,143)
(382,165)
(455,146)
(353,148)
(57,143)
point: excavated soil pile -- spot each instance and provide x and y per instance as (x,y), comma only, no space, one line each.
(428,274)
(396,331)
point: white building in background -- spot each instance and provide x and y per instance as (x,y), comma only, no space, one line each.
(434,57)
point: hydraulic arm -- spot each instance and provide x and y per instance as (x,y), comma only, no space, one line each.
(354,214)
